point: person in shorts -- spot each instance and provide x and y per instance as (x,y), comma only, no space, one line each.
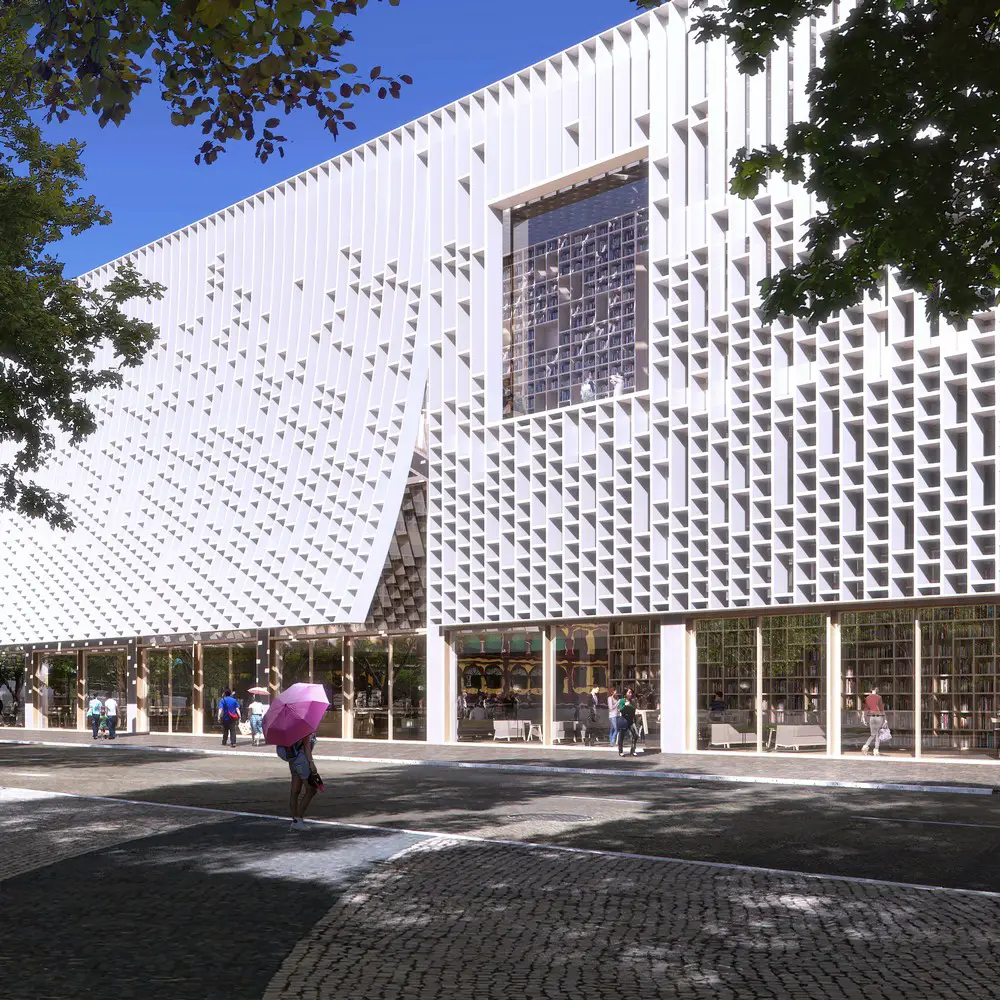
(306,781)
(256,716)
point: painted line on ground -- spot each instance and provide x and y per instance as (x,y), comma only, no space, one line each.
(930,822)
(882,786)
(471,838)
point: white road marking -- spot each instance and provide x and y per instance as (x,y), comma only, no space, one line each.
(930,822)
(740,779)
(471,838)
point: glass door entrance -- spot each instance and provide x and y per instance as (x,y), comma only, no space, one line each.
(169,689)
(59,688)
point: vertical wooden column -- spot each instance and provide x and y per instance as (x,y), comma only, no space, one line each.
(197,691)
(389,684)
(918,730)
(759,675)
(132,679)
(548,683)
(34,708)
(347,720)
(81,689)
(834,685)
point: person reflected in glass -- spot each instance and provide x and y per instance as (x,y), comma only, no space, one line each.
(626,722)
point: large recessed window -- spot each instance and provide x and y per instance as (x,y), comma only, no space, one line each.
(575,293)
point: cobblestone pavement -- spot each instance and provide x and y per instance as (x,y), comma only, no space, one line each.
(982,771)
(172,904)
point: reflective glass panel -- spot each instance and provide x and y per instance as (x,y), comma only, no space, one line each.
(293,659)
(793,675)
(13,688)
(107,674)
(581,665)
(244,674)
(370,661)
(215,671)
(328,670)
(960,680)
(59,690)
(499,685)
(876,654)
(157,665)
(181,690)
(727,683)
(634,662)
(409,688)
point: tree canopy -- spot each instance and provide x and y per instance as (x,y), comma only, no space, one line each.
(900,149)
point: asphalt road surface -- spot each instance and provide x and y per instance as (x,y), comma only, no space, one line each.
(132,873)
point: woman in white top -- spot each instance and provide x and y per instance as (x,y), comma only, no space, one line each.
(256,711)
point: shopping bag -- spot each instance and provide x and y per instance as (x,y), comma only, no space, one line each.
(244,728)
(884,734)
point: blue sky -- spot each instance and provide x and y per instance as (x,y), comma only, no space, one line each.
(144,171)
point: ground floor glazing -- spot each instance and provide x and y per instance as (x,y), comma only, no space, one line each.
(792,682)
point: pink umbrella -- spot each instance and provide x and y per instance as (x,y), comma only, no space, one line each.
(294,714)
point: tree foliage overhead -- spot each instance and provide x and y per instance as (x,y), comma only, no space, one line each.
(223,65)
(900,149)
(52,328)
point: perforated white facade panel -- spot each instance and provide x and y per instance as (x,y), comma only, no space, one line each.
(251,472)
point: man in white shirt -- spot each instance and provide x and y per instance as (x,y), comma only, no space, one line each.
(111,712)
(94,713)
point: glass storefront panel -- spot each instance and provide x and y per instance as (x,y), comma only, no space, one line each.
(876,651)
(409,687)
(793,682)
(581,664)
(244,675)
(370,661)
(13,688)
(499,680)
(727,683)
(215,679)
(107,674)
(634,662)
(328,670)
(59,690)
(157,667)
(181,690)
(293,663)
(959,680)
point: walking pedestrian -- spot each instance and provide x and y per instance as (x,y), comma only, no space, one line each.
(94,713)
(875,709)
(111,714)
(229,710)
(613,716)
(306,781)
(626,722)
(256,711)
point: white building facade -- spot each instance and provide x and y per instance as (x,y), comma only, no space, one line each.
(481,415)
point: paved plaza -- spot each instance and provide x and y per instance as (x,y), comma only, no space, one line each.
(175,876)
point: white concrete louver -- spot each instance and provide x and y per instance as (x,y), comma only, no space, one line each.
(252,472)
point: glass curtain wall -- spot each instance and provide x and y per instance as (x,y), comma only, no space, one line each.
(244,674)
(876,651)
(499,680)
(793,682)
(215,680)
(169,689)
(328,670)
(13,688)
(581,665)
(634,662)
(409,687)
(727,683)
(107,674)
(294,664)
(59,689)
(370,674)
(959,680)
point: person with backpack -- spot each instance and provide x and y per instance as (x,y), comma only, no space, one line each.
(626,722)
(306,781)
(229,712)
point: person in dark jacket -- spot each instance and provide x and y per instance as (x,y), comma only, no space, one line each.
(626,724)
(229,712)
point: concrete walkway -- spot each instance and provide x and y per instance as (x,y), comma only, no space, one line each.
(978,776)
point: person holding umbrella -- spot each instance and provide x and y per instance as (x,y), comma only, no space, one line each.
(290,724)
